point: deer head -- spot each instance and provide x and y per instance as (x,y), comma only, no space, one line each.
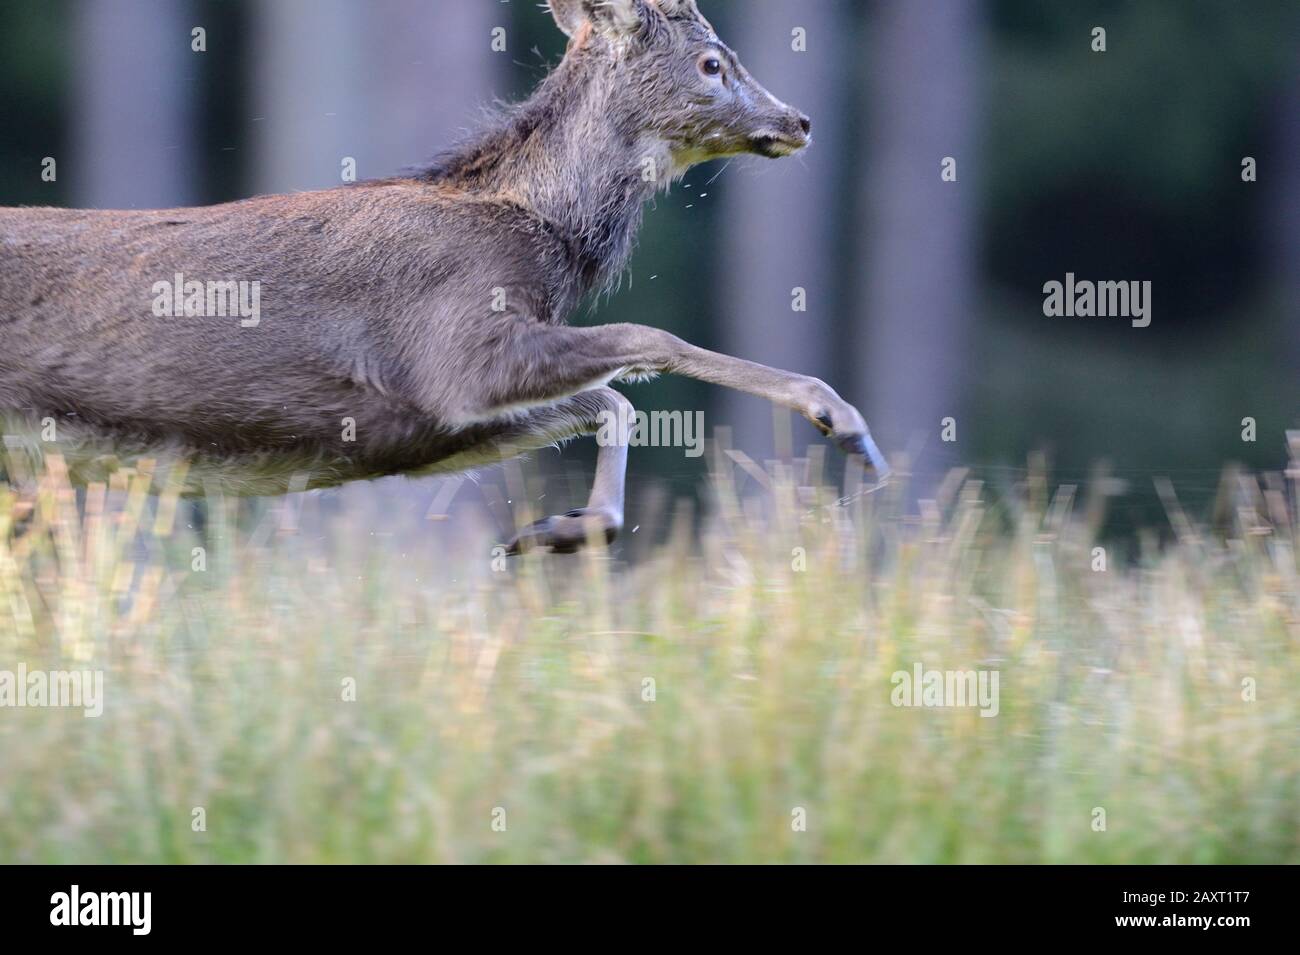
(662,72)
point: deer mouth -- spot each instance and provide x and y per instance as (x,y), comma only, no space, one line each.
(775,145)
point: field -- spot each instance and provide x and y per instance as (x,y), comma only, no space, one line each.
(727,696)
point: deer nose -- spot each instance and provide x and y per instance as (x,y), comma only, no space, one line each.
(805,124)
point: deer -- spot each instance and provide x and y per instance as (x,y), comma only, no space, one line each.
(412,325)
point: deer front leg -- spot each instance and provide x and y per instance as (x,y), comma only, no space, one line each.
(550,361)
(600,411)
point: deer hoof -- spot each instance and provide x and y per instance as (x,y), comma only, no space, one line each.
(863,445)
(566,533)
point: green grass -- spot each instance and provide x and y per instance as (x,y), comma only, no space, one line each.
(522,688)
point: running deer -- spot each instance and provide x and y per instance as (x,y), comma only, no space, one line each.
(413,325)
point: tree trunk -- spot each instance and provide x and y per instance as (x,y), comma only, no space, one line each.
(383,83)
(133,106)
(918,253)
(779,221)
(431,71)
(309,109)
(1286,210)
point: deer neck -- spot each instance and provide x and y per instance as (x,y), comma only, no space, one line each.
(567,158)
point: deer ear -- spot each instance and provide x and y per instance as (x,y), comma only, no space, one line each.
(614,17)
(611,17)
(682,9)
(569,15)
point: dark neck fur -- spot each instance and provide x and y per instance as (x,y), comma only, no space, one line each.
(563,156)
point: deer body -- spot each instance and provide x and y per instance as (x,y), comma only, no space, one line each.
(357,323)
(412,325)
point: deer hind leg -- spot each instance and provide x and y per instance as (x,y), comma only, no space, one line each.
(602,412)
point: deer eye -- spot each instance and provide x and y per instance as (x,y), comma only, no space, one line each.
(711,66)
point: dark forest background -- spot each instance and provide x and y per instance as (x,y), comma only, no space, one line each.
(924,298)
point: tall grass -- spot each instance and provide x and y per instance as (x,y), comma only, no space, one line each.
(503,711)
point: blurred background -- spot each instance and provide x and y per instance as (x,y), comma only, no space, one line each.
(924,298)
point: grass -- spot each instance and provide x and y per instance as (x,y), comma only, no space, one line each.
(502,711)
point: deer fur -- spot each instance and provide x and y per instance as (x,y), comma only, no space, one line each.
(429,310)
